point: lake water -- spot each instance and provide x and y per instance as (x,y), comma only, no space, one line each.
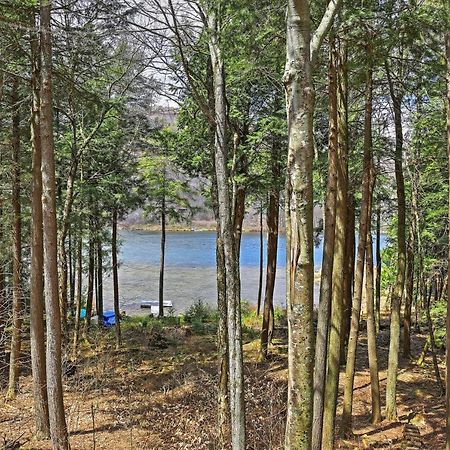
(190,273)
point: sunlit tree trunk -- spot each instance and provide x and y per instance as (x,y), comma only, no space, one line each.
(37,331)
(99,277)
(409,291)
(162,256)
(261,258)
(339,263)
(394,343)
(236,374)
(90,288)
(78,300)
(320,366)
(378,269)
(58,428)
(363,226)
(17,301)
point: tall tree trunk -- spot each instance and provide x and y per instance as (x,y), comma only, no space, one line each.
(409,296)
(78,300)
(378,270)
(58,428)
(299,227)
(261,258)
(99,277)
(90,289)
(162,256)
(394,343)
(339,263)
(17,303)
(236,374)
(320,367)
(363,226)
(372,334)
(272,247)
(447,359)
(3,299)
(72,275)
(115,271)
(349,273)
(37,333)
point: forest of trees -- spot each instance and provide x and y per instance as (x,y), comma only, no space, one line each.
(279,108)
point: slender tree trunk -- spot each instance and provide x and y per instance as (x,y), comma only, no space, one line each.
(37,333)
(261,258)
(363,226)
(58,428)
(272,247)
(323,320)
(17,303)
(163,255)
(394,343)
(3,298)
(72,275)
(90,289)
(409,297)
(447,358)
(339,263)
(99,277)
(372,334)
(378,270)
(349,274)
(299,227)
(79,271)
(236,374)
(115,271)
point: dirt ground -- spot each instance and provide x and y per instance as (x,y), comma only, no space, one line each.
(147,397)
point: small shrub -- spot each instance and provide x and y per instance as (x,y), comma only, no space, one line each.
(199,312)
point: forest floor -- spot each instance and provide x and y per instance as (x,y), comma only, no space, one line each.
(159,392)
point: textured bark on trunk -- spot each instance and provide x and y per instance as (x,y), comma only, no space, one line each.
(79,270)
(349,274)
(394,342)
(378,270)
(115,271)
(299,227)
(372,334)
(17,294)
(272,248)
(236,374)
(447,358)
(339,263)
(326,280)
(162,257)
(363,226)
(37,332)
(58,428)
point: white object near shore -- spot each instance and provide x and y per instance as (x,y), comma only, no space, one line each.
(153,305)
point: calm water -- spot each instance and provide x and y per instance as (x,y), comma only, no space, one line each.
(190,268)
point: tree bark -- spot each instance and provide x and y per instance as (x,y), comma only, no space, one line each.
(339,263)
(378,270)
(115,271)
(162,256)
(236,374)
(363,226)
(58,428)
(90,289)
(37,329)
(99,277)
(261,259)
(372,334)
(272,248)
(299,227)
(394,343)
(409,296)
(17,300)
(323,320)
